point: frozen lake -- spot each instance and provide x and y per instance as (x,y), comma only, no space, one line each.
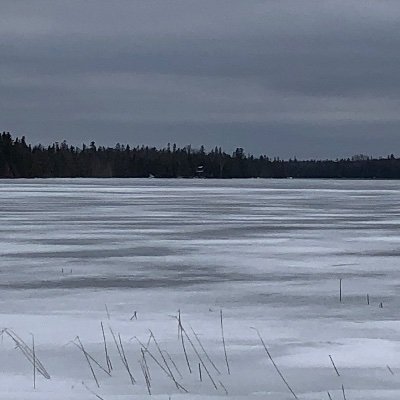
(269,253)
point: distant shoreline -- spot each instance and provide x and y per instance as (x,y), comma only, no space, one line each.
(60,160)
(193,179)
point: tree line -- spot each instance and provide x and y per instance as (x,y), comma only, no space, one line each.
(61,160)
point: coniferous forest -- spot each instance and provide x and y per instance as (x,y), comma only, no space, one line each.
(60,160)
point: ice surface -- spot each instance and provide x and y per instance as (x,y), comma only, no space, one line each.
(269,253)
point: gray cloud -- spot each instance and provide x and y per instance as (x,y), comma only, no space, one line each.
(309,78)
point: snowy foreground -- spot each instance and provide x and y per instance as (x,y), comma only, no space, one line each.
(269,254)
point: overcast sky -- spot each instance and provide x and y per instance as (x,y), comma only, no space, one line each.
(288,78)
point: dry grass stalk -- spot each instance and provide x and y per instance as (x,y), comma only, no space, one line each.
(177,384)
(88,361)
(108,314)
(27,352)
(179,323)
(145,364)
(223,343)
(183,340)
(125,361)
(161,354)
(223,387)
(275,366)
(146,378)
(108,360)
(204,351)
(200,377)
(78,345)
(134,316)
(122,355)
(173,363)
(344,394)
(34,361)
(198,356)
(334,366)
(91,391)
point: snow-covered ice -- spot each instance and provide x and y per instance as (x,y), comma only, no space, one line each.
(269,253)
